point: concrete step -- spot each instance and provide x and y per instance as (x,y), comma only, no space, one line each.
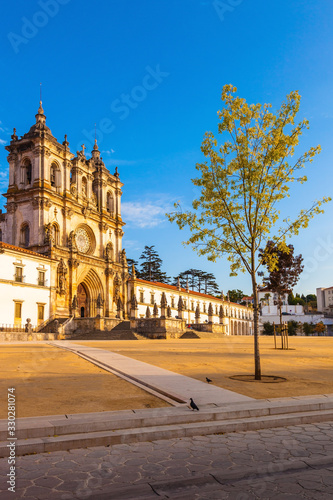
(60,432)
(34,427)
(151,433)
(103,335)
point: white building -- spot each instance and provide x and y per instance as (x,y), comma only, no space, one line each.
(238,320)
(24,286)
(325,299)
(268,301)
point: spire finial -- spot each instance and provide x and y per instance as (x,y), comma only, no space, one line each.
(95,145)
(40,109)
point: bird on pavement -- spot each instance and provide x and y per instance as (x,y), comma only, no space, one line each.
(193,405)
(208,380)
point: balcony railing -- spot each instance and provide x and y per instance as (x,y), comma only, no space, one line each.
(42,282)
(17,327)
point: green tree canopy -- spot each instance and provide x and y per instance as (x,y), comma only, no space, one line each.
(132,262)
(242,180)
(150,268)
(235,296)
(197,280)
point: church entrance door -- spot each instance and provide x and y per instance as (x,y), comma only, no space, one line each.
(83,302)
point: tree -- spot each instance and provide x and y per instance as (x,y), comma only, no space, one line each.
(308,328)
(151,266)
(284,270)
(268,328)
(292,327)
(130,263)
(210,285)
(197,280)
(235,296)
(320,328)
(241,182)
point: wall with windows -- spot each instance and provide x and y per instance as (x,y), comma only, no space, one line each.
(24,286)
(325,299)
(237,318)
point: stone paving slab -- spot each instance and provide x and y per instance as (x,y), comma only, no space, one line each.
(286,463)
(171,384)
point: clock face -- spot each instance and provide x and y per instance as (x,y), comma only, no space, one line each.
(82,240)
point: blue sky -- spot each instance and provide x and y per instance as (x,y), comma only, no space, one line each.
(149,73)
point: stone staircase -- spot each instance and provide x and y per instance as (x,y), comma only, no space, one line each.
(50,326)
(120,332)
(65,432)
(195,334)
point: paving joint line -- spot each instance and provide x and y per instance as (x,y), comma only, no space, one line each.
(171,399)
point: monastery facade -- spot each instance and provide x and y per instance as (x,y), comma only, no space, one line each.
(63,222)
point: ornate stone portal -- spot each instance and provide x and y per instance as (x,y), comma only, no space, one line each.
(68,208)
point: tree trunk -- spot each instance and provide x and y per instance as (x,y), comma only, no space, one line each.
(257,369)
(280,312)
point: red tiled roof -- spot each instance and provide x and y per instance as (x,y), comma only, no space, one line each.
(172,287)
(22,250)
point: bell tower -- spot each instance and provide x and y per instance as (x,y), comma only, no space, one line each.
(68,207)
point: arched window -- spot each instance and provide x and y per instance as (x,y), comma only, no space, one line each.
(25,235)
(55,234)
(84,187)
(53,175)
(26,172)
(110,203)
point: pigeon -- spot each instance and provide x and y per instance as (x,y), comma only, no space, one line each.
(193,405)
(208,380)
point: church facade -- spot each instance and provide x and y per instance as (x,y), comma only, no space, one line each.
(67,207)
(63,211)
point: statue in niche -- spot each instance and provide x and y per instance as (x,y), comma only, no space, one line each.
(123,259)
(62,271)
(72,241)
(116,285)
(99,301)
(47,233)
(109,252)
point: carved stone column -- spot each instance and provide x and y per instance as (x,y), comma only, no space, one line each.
(180,307)
(221,314)
(197,314)
(164,305)
(210,313)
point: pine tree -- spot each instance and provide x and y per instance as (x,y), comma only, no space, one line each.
(130,263)
(211,287)
(150,269)
(197,280)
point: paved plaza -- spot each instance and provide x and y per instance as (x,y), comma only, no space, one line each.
(294,462)
(280,461)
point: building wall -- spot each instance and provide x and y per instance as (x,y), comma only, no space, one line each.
(325,299)
(269,298)
(238,319)
(274,310)
(27,292)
